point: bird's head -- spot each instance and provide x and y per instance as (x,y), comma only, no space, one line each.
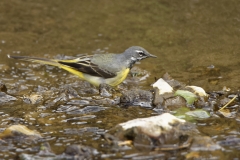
(136,53)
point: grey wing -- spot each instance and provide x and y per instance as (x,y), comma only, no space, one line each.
(84,65)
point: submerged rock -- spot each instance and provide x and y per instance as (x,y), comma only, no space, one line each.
(204,143)
(5,98)
(72,152)
(81,152)
(137,97)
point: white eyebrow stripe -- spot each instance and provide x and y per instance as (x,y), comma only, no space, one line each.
(139,51)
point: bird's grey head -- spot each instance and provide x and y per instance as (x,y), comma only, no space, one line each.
(136,53)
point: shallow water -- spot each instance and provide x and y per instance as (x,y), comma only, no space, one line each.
(187,36)
(197,42)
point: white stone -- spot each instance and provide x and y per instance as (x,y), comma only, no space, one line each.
(163,86)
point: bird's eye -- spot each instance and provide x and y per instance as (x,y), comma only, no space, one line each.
(140,53)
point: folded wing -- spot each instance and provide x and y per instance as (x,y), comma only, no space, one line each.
(84,65)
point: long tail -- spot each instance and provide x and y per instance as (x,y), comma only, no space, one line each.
(53,62)
(37,60)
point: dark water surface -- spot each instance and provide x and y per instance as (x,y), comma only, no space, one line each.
(187,36)
(196,41)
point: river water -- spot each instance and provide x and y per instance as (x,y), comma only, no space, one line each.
(196,41)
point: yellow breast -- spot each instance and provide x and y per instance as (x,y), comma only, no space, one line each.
(121,76)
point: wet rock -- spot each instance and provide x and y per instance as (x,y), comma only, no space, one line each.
(160,98)
(224,101)
(45,150)
(163,132)
(69,109)
(60,98)
(72,152)
(69,92)
(197,90)
(135,76)
(25,156)
(230,141)
(168,100)
(143,142)
(188,96)
(19,130)
(89,91)
(137,97)
(3,87)
(33,98)
(203,103)
(166,95)
(84,87)
(139,156)
(107,101)
(5,98)
(41,89)
(106,91)
(198,113)
(163,87)
(108,96)
(204,143)
(162,91)
(79,152)
(174,102)
(198,155)
(80,102)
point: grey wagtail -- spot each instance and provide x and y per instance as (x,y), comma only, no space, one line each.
(111,69)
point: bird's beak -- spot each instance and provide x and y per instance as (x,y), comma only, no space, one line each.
(150,55)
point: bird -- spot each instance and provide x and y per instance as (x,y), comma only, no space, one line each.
(109,68)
